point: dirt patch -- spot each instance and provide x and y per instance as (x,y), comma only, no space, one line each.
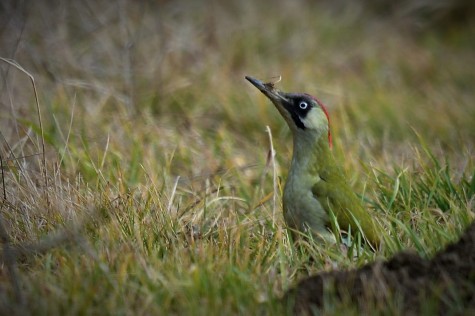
(406,283)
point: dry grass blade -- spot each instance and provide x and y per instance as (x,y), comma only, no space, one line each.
(40,121)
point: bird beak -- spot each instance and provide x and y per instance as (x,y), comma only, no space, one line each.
(275,95)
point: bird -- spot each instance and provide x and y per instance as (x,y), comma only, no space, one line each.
(316,184)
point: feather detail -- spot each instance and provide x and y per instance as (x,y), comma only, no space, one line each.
(324,108)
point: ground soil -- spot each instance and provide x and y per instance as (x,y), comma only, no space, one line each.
(406,283)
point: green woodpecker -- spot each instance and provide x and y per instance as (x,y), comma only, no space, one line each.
(315,183)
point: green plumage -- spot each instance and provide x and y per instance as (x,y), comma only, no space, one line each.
(334,193)
(315,185)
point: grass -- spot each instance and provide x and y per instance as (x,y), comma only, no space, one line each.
(159,181)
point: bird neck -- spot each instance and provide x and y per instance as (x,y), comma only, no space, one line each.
(310,148)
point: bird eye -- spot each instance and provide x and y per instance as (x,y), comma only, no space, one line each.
(303,105)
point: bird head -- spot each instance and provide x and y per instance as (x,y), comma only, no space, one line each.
(304,114)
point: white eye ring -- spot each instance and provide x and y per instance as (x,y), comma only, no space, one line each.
(303,105)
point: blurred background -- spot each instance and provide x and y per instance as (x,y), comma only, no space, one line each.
(387,70)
